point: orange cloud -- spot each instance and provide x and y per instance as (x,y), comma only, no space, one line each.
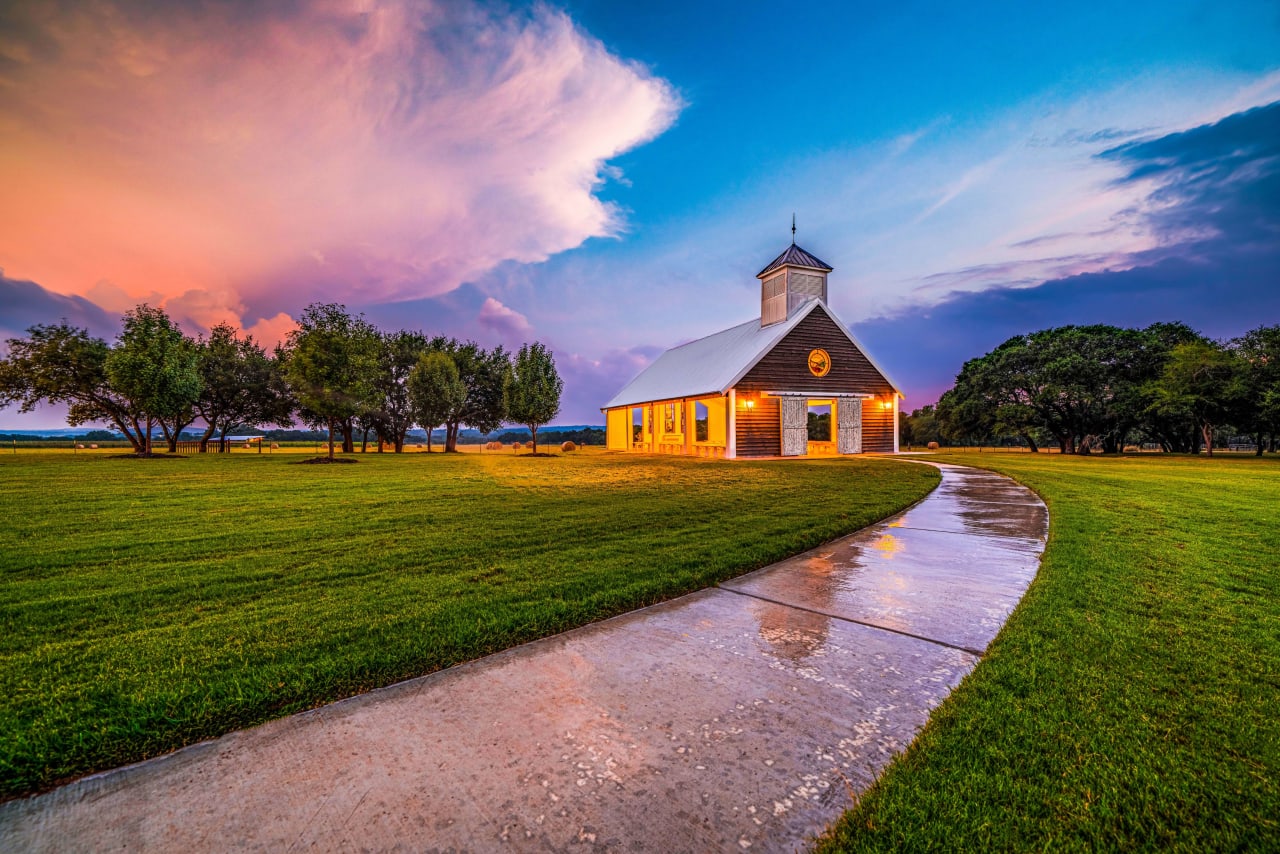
(241,161)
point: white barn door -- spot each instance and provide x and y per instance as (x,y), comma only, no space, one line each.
(849,426)
(795,426)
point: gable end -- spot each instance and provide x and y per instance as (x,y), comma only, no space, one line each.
(785,366)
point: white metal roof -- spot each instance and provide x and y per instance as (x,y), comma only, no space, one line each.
(714,364)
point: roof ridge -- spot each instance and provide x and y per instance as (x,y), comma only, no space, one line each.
(796,256)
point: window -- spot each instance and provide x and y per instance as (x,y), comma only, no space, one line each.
(700,416)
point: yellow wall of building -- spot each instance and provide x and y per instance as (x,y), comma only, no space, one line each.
(618,429)
(618,426)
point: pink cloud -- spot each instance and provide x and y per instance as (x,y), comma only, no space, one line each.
(240,160)
(505,321)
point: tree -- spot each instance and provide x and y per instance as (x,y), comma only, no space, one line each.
(1259,351)
(532,389)
(155,366)
(332,365)
(1201,380)
(436,391)
(398,355)
(63,364)
(484,374)
(242,385)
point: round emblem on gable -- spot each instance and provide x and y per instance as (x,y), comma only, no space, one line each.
(819,363)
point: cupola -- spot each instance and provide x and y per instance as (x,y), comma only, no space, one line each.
(792,279)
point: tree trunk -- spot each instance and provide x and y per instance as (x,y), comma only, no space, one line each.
(124,428)
(429,431)
(142,440)
(450,437)
(533,433)
(348,437)
(1207,429)
(204,440)
(364,441)
(331,439)
(1031,443)
(1257,441)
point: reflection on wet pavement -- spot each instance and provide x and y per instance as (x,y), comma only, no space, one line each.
(731,719)
(949,569)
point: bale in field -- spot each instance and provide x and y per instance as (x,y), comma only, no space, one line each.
(497,446)
(933,446)
(515,446)
(568,446)
(79,447)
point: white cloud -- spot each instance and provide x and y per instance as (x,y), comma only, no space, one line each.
(244,160)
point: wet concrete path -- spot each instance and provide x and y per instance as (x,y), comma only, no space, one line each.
(735,718)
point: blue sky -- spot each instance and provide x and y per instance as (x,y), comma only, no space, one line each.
(608,177)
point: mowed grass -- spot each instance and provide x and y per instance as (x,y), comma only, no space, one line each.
(1132,701)
(145,605)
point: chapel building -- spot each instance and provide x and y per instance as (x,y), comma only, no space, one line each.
(793,382)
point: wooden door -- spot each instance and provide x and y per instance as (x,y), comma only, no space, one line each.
(849,426)
(795,426)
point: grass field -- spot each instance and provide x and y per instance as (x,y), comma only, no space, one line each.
(1132,701)
(149,604)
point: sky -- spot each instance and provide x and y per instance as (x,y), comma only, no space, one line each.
(608,177)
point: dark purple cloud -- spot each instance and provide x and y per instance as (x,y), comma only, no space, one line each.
(1216,210)
(24,304)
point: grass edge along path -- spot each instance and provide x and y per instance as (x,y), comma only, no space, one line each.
(146,607)
(1130,702)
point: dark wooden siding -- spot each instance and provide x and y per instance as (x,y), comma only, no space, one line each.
(786,367)
(759,429)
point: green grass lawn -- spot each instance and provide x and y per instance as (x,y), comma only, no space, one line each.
(1132,701)
(149,604)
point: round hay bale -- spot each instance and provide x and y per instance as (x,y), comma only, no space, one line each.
(568,446)
(275,446)
(93,447)
(79,447)
(933,446)
(515,446)
(497,446)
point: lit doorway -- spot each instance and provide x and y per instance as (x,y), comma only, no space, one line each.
(821,425)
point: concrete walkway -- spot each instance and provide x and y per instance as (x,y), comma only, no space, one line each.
(735,718)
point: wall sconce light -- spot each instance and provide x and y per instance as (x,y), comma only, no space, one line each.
(749,403)
(886,404)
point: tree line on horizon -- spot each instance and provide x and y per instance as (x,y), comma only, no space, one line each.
(335,372)
(1101,387)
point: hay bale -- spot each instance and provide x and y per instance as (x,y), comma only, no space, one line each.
(79,447)
(568,446)
(933,446)
(515,446)
(93,447)
(497,446)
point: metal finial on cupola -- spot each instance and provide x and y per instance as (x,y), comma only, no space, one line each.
(793,229)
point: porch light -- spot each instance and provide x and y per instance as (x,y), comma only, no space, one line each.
(749,403)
